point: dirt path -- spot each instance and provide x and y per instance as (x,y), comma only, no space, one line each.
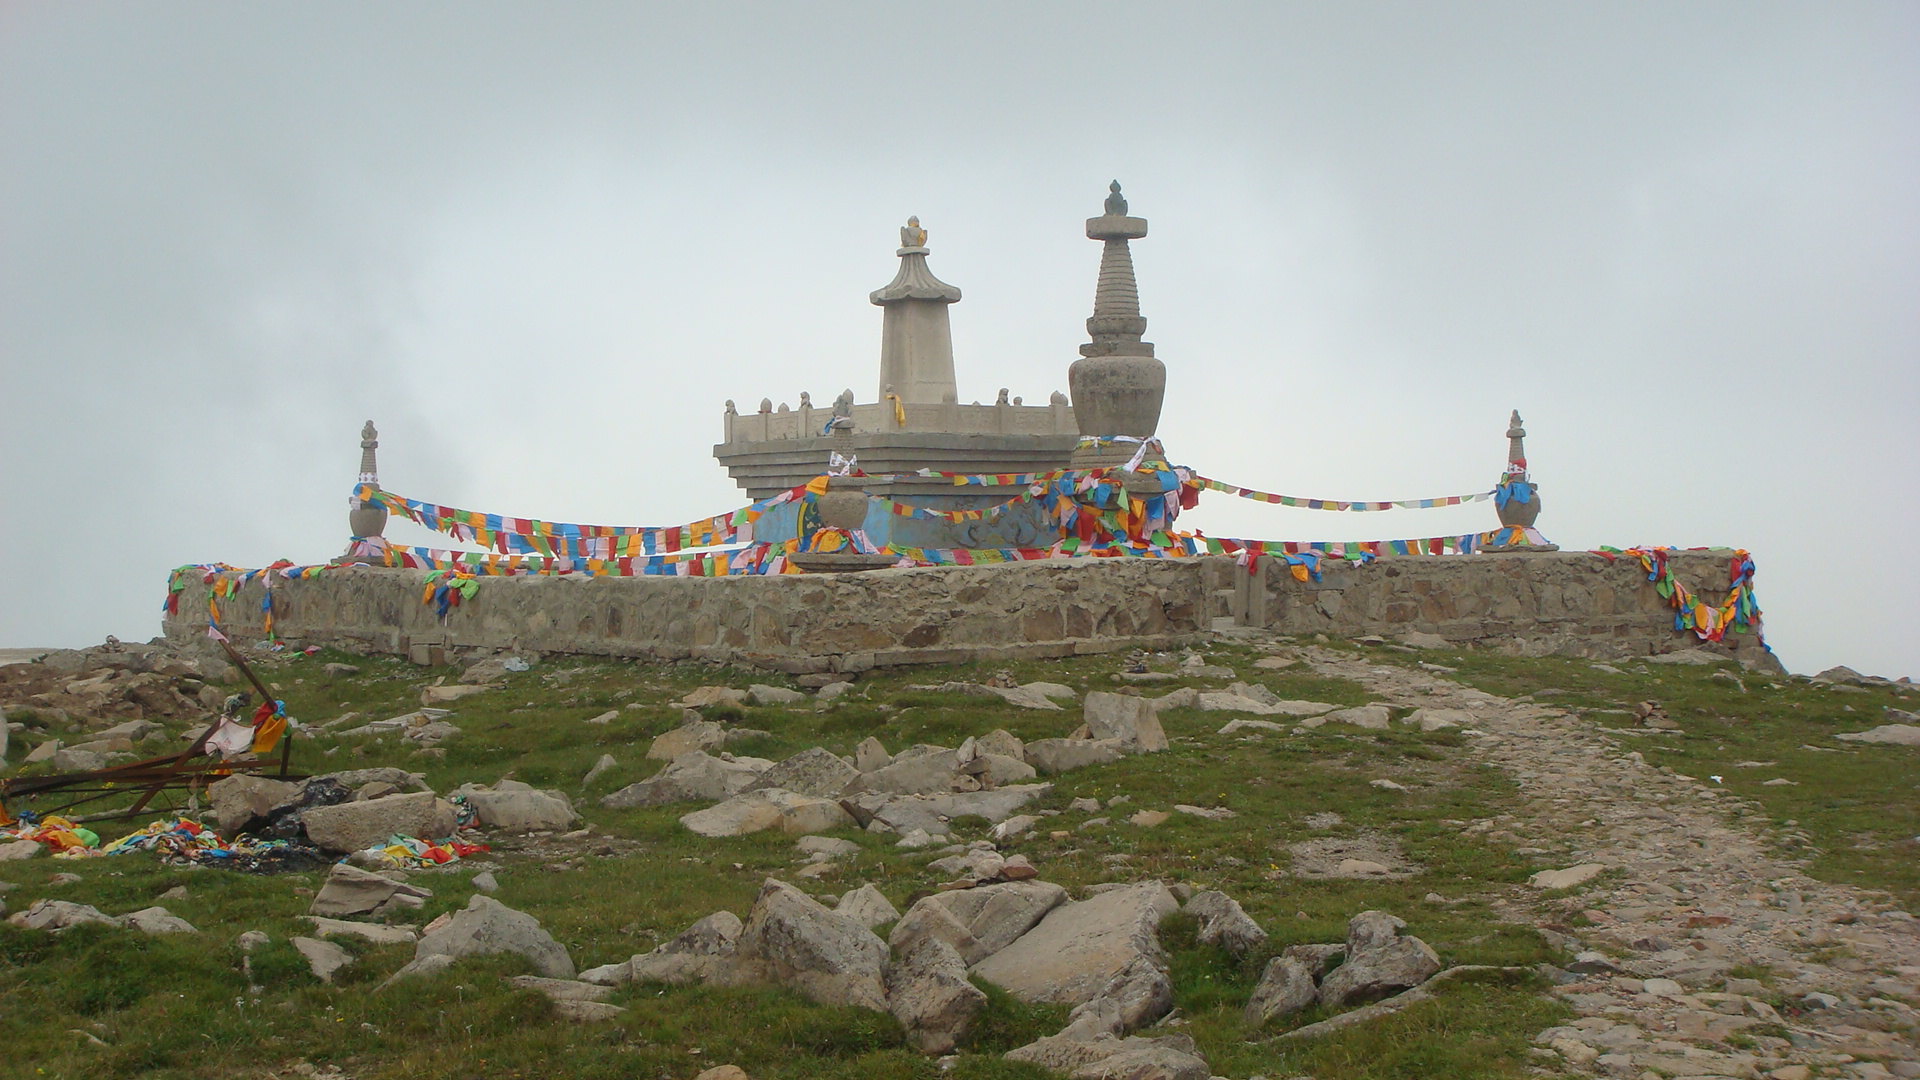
(1692,900)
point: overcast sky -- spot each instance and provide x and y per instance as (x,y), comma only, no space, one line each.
(541,244)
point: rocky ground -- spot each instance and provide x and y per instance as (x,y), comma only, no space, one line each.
(901,877)
(1683,894)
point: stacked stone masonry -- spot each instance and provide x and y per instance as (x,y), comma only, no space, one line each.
(1561,603)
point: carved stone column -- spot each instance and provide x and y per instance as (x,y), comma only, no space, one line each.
(916,334)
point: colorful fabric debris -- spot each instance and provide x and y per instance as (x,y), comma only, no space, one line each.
(57,833)
(413,853)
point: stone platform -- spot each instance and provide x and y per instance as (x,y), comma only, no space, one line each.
(1561,603)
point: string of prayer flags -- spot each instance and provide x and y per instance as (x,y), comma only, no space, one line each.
(1739,611)
(1341,504)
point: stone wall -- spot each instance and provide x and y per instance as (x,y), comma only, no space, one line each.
(1564,603)
(796,623)
(1527,603)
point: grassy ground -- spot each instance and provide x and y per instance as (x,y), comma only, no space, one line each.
(100,1002)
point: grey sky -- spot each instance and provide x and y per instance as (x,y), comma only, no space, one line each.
(540,245)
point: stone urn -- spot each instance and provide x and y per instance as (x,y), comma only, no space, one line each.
(1117,394)
(367,519)
(1515,513)
(842,508)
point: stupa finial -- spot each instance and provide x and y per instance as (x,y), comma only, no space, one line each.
(1116,202)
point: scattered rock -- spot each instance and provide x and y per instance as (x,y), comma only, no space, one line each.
(754,811)
(324,958)
(790,939)
(488,926)
(978,922)
(1078,947)
(1285,988)
(1053,756)
(706,696)
(600,767)
(928,992)
(158,920)
(687,738)
(693,776)
(1567,878)
(517,807)
(1124,718)
(1380,961)
(371,932)
(59,915)
(1225,923)
(560,989)
(762,694)
(867,906)
(1892,734)
(350,890)
(816,772)
(700,952)
(870,756)
(1376,717)
(355,826)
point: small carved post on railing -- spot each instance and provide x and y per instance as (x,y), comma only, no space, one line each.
(1517,499)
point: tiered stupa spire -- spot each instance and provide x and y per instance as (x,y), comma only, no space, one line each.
(1116,325)
(1117,384)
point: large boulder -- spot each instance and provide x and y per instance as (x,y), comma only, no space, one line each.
(762,694)
(754,811)
(1051,756)
(817,772)
(1893,734)
(350,891)
(59,915)
(1124,717)
(1380,961)
(1286,987)
(703,696)
(790,939)
(700,735)
(928,992)
(934,813)
(487,926)
(867,906)
(699,953)
(871,755)
(1137,996)
(518,807)
(1097,1055)
(693,776)
(996,770)
(1225,923)
(356,826)
(929,771)
(1077,948)
(157,920)
(977,923)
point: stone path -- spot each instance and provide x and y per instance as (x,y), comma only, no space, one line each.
(1692,894)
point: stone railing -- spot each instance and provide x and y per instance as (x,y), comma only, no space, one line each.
(807,421)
